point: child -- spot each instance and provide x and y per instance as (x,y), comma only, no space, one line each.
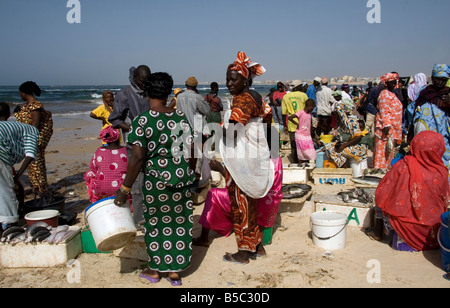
(102,112)
(303,135)
(108,167)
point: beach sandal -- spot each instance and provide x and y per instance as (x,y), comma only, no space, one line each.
(174,282)
(231,259)
(447,276)
(151,279)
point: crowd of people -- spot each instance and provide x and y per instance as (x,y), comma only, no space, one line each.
(147,159)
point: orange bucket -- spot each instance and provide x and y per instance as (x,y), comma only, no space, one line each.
(329,164)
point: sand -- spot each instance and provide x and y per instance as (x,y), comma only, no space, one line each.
(292,260)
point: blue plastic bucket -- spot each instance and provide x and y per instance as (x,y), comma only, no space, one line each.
(444,235)
(321,157)
(445,254)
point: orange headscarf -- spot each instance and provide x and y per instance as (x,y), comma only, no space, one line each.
(389,77)
(245,67)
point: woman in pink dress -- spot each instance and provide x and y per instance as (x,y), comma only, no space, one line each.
(216,213)
(108,167)
(303,136)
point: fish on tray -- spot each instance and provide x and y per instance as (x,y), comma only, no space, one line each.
(292,191)
(37,233)
(356,195)
(367,180)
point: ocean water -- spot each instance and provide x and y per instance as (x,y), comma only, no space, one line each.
(81,100)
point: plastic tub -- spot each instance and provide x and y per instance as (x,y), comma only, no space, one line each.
(445,254)
(50,217)
(326,138)
(112,227)
(358,168)
(329,229)
(445,236)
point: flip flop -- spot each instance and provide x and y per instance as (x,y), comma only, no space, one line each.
(232,259)
(174,282)
(447,276)
(152,280)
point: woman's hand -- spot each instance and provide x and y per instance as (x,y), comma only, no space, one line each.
(121,198)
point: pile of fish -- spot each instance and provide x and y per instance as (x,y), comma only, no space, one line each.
(356,195)
(292,191)
(37,233)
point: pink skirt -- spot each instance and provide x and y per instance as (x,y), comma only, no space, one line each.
(305,147)
(217,211)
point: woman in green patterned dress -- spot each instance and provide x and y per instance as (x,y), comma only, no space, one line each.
(156,139)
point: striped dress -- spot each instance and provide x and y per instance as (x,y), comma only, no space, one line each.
(17,140)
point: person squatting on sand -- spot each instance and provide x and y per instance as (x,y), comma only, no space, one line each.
(107,168)
(128,104)
(168,210)
(18,142)
(33,113)
(249,177)
(414,194)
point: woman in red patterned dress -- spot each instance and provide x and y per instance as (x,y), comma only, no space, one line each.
(248,177)
(388,123)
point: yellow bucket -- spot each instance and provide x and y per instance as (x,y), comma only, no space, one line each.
(326,138)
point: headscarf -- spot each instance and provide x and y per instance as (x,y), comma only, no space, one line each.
(415,192)
(245,67)
(389,77)
(441,70)
(420,81)
(109,134)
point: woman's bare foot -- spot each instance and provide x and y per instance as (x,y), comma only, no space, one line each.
(241,257)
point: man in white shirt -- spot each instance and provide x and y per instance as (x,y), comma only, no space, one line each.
(325,100)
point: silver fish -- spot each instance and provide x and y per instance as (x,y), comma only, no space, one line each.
(367,180)
(66,235)
(40,235)
(12,230)
(30,230)
(18,239)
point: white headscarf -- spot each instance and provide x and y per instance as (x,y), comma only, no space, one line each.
(420,81)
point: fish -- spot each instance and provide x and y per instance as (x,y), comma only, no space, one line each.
(30,230)
(33,231)
(55,232)
(12,230)
(356,195)
(292,191)
(18,239)
(367,180)
(41,235)
(66,235)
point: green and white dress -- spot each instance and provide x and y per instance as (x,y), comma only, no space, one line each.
(168,209)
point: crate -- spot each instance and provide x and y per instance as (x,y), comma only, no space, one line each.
(40,255)
(335,176)
(292,174)
(360,214)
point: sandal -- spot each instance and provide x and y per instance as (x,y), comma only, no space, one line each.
(174,282)
(151,279)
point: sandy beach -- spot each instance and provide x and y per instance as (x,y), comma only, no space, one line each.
(292,260)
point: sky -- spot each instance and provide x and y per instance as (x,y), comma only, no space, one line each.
(292,39)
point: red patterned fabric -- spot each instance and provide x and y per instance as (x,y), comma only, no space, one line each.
(415,192)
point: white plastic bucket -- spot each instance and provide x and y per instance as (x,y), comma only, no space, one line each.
(358,168)
(111,226)
(329,229)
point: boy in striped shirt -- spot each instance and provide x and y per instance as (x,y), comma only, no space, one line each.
(18,142)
